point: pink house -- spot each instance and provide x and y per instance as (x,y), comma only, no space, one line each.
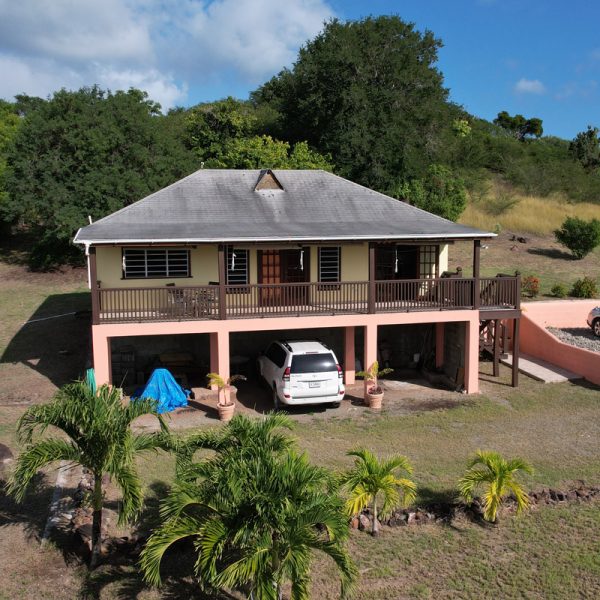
(212,262)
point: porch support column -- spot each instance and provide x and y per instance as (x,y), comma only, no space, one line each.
(101,356)
(349,356)
(472,356)
(219,354)
(515,352)
(372,291)
(93,272)
(476,263)
(439,345)
(496,370)
(214,354)
(370,347)
(222,281)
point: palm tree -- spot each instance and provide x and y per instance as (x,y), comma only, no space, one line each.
(98,437)
(371,478)
(257,512)
(497,476)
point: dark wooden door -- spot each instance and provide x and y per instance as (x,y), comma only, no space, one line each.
(281,267)
(269,271)
(393,262)
(295,266)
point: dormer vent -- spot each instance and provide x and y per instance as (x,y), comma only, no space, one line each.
(267,181)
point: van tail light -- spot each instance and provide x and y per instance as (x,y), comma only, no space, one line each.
(340,372)
(286,374)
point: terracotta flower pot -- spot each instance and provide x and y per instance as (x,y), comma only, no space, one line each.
(226,411)
(374,398)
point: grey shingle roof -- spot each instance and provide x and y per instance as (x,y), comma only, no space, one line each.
(221,205)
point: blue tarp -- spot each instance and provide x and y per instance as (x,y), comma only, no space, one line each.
(90,378)
(162,387)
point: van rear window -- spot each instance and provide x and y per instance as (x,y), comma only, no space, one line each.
(313,363)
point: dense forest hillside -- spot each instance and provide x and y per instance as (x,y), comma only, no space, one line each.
(363,99)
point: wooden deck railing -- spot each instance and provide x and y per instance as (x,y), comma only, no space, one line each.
(187,303)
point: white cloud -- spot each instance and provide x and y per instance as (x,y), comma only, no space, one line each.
(75,31)
(162,46)
(529,86)
(255,37)
(160,88)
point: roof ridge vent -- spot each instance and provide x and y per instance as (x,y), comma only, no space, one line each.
(267,181)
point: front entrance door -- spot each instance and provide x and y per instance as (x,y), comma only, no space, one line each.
(281,267)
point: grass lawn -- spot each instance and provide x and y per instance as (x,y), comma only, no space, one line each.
(552,552)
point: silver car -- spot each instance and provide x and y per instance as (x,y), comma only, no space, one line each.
(593,320)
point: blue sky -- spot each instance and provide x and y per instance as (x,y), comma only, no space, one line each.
(537,57)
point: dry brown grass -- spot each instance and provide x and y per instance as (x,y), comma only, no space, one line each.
(518,212)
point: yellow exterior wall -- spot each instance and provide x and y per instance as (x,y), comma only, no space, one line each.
(204,266)
(443,258)
(355,262)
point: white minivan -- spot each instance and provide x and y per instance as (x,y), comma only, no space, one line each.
(302,372)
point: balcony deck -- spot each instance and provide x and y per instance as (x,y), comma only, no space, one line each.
(186,303)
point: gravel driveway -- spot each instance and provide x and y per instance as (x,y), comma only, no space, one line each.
(582,337)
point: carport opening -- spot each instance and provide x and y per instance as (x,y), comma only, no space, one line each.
(246,347)
(186,356)
(413,352)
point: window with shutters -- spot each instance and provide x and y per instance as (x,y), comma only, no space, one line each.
(237,266)
(155,263)
(329,265)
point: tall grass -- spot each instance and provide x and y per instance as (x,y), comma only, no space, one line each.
(521,213)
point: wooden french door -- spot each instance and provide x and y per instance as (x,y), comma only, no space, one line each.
(280,267)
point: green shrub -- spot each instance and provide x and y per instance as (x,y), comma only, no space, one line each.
(530,286)
(440,192)
(584,288)
(559,290)
(579,236)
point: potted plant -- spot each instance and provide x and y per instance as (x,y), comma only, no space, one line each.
(373,391)
(225,405)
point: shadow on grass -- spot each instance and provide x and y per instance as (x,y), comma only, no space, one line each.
(120,569)
(447,504)
(32,514)
(55,340)
(554,253)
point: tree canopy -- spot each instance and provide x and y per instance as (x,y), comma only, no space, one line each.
(585,148)
(87,152)
(228,134)
(519,126)
(367,92)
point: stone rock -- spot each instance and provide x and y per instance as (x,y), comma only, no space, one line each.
(411,518)
(354,523)
(6,456)
(364,523)
(109,517)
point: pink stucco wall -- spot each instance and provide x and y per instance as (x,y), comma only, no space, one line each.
(540,343)
(219,336)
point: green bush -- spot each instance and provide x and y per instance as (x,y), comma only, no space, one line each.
(559,290)
(584,288)
(579,236)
